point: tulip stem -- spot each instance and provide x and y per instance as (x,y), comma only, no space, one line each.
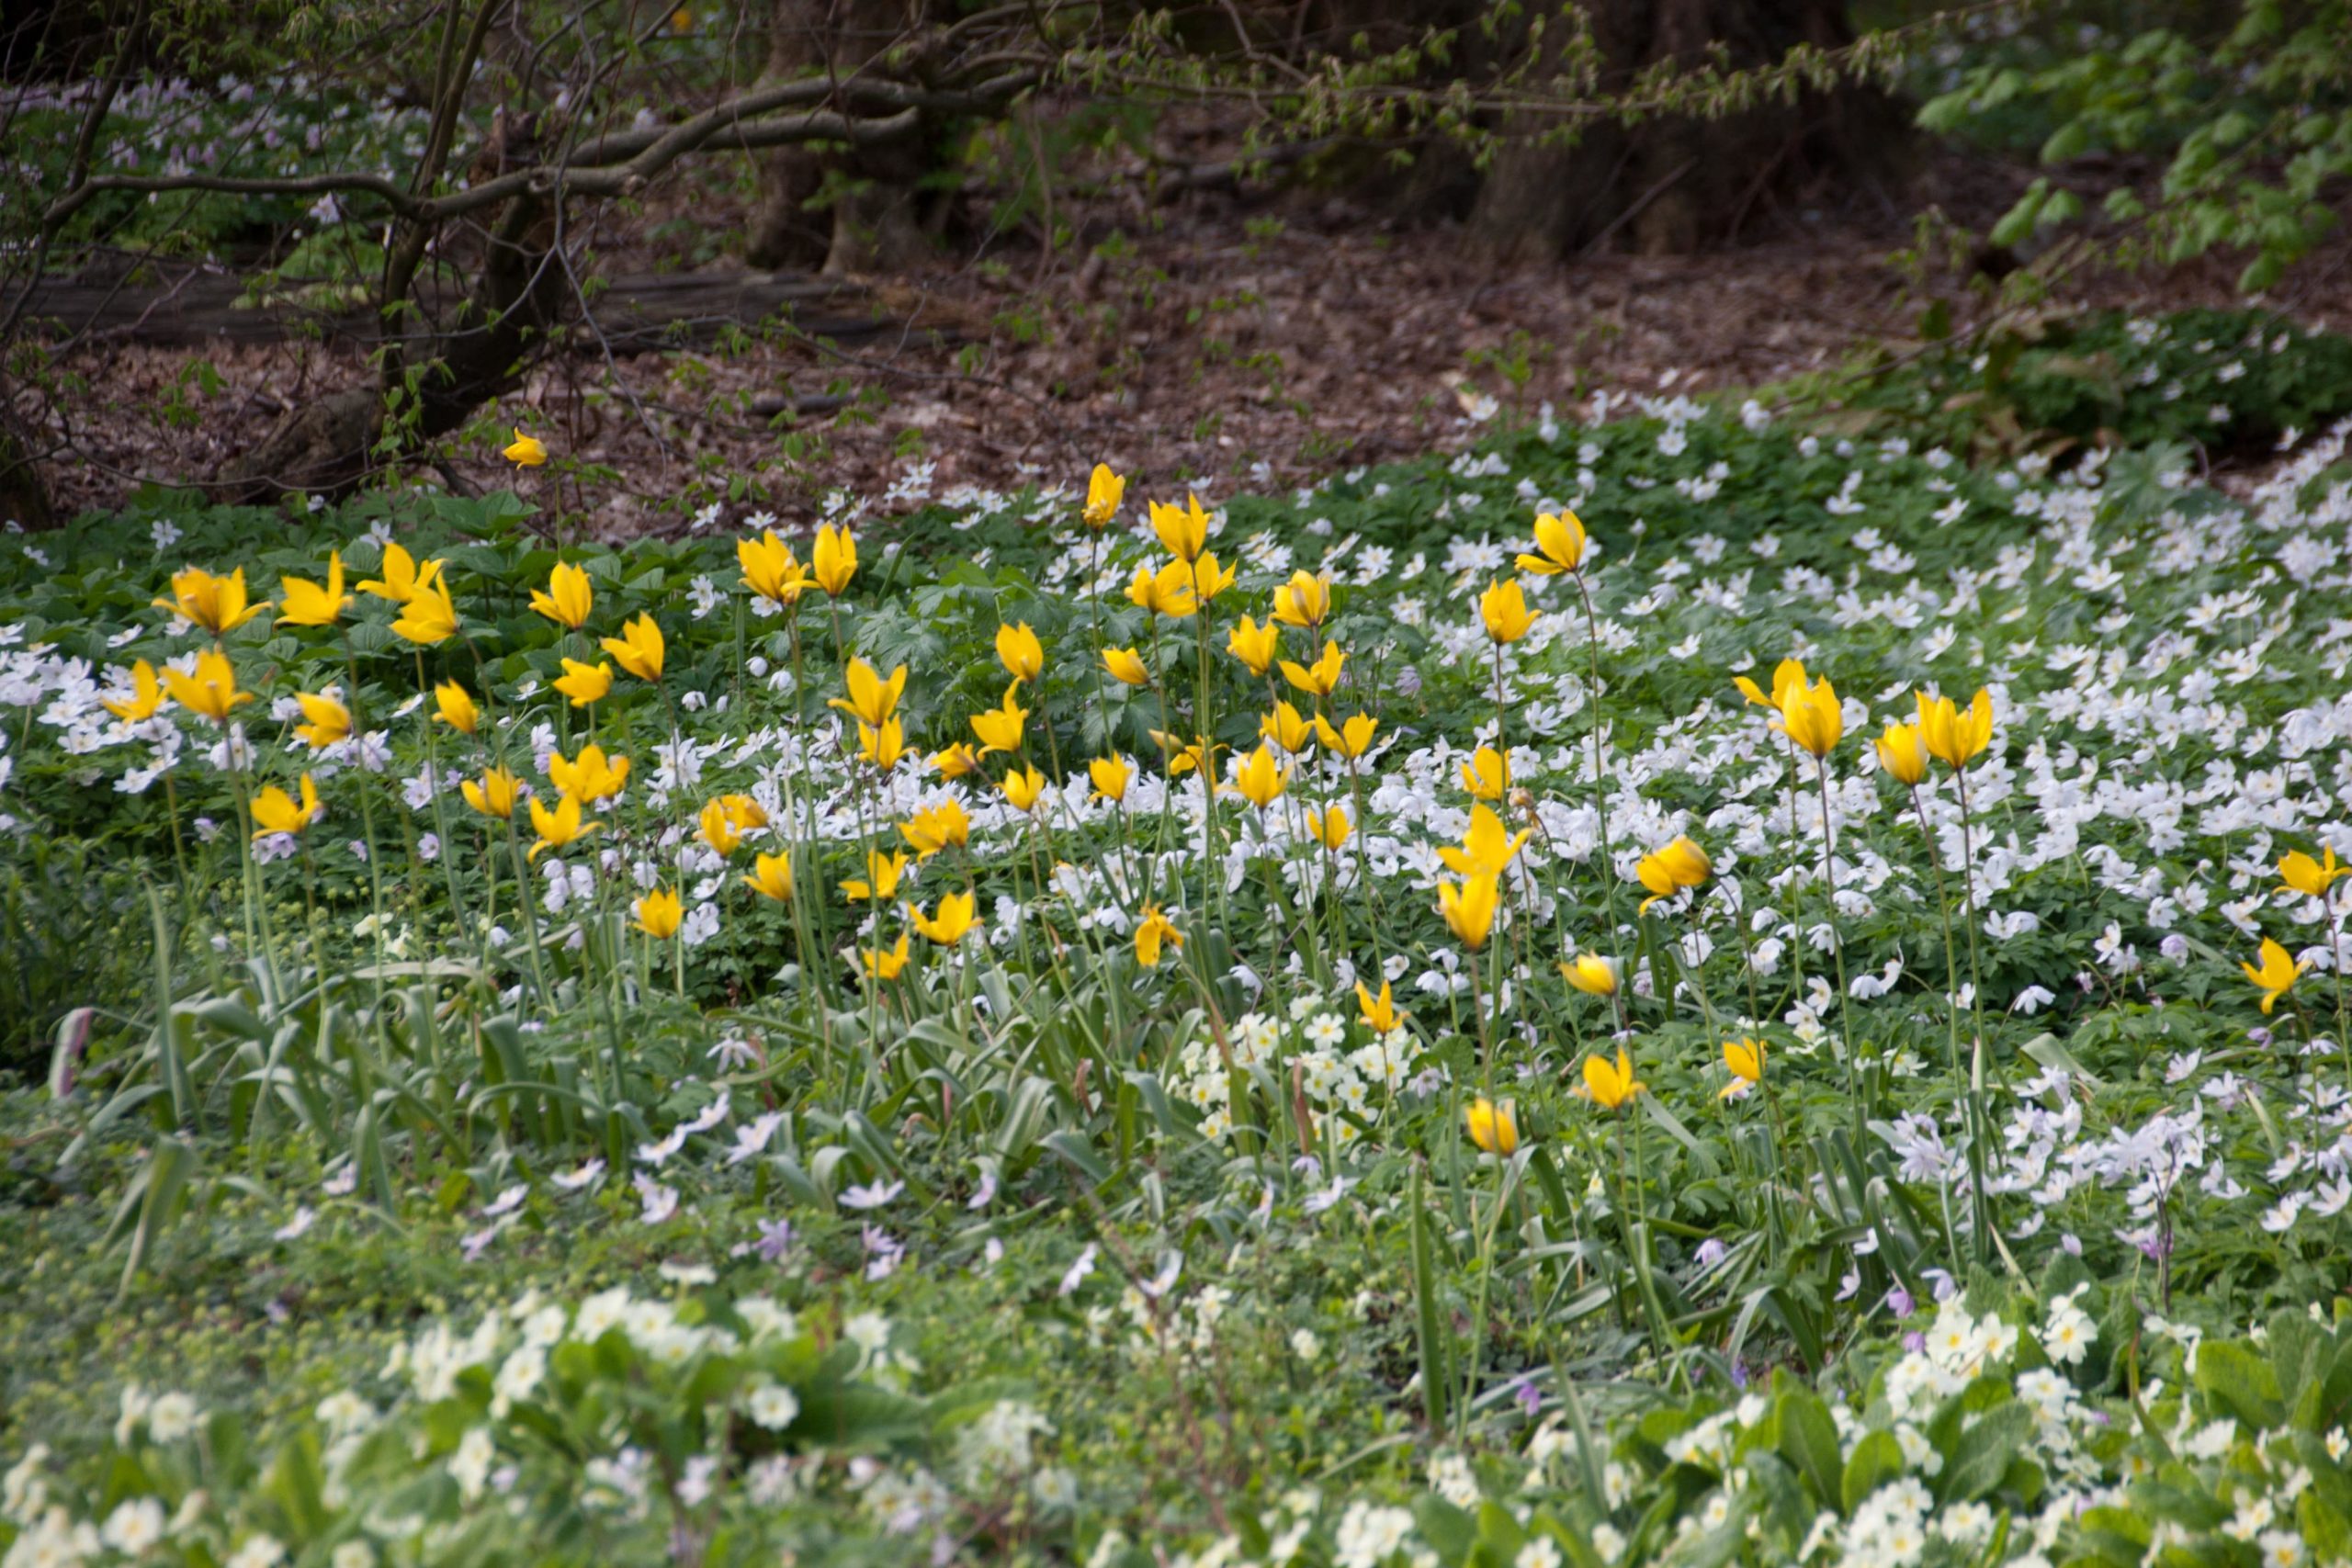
(1599,774)
(1836,946)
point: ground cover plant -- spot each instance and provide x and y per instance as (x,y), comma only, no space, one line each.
(1696,986)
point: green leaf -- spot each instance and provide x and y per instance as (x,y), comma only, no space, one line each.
(1809,1442)
(1876,1459)
(1981,1455)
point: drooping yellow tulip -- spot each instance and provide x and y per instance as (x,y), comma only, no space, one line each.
(1125,666)
(1559,545)
(2310,878)
(1954,736)
(1182,759)
(584,683)
(1486,774)
(834,559)
(1902,755)
(937,828)
(718,829)
(495,795)
(1592,974)
(402,579)
(556,829)
(456,708)
(1320,677)
(307,604)
(1469,909)
(1610,1085)
(1000,729)
(1152,930)
(1288,728)
(1494,1128)
(1019,651)
(659,914)
(770,569)
(640,648)
(429,616)
(1813,716)
(1668,869)
(1350,740)
(1330,828)
(211,691)
(1254,645)
(1168,591)
(145,699)
(1503,609)
(951,925)
(216,604)
(871,699)
(1380,1013)
(2278,972)
(1112,775)
(1260,779)
(881,878)
(1024,788)
(957,761)
(275,811)
(1745,1058)
(568,598)
(525,452)
(886,962)
(1304,601)
(771,878)
(1104,492)
(1487,849)
(330,721)
(1184,531)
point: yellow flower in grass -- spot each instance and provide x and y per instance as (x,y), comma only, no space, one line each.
(1152,930)
(770,569)
(884,747)
(1209,580)
(659,914)
(1901,754)
(1381,1014)
(1487,849)
(1814,717)
(456,708)
(1260,779)
(1168,591)
(308,604)
(1745,1058)
(934,828)
(880,881)
(429,616)
(640,648)
(1469,909)
(1304,601)
(584,683)
(1955,736)
(1610,1085)
(1112,775)
(1000,729)
(568,598)
(871,699)
(1494,1128)
(1503,608)
(747,814)
(1669,870)
(1196,758)
(1320,679)
(1104,492)
(771,878)
(1350,740)
(1787,676)
(1559,545)
(1125,666)
(145,699)
(402,579)
(2278,972)
(216,604)
(330,721)
(1024,788)
(1184,531)
(718,829)
(1018,650)
(495,795)
(1287,728)
(590,775)
(957,761)
(1486,774)
(556,829)
(834,559)
(2310,878)
(275,811)
(525,452)
(956,919)
(1254,645)
(212,690)
(1330,828)
(885,962)
(1592,974)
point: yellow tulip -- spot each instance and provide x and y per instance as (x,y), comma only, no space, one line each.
(1111,775)
(1669,870)
(640,648)
(329,720)
(834,559)
(591,776)
(881,878)
(718,829)
(1469,909)
(560,828)
(1182,760)
(1494,1128)
(1022,655)
(941,826)
(1125,666)
(1813,716)
(957,761)
(2278,972)
(429,616)
(745,814)
(1259,779)
(211,691)
(1503,608)
(1381,1014)
(1559,545)
(1209,580)
(1487,849)
(1353,739)
(308,604)
(584,683)
(495,795)
(1304,601)
(1610,1085)
(1902,755)
(567,597)
(526,452)
(1000,729)
(1787,675)
(771,878)
(1592,974)
(1254,645)
(216,604)
(1184,531)
(402,579)
(1287,728)
(871,700)
(276,812)
(885,745)
(1746,1060)
(955,920)
(770,568)
(2310,878)
(659,914)
(457,707)
(1152,930)
(1486,774)
(1104,492)
(1954,736)
(1024,787)
(1168,591)
(146,697)
(1320,679)
(886,962)
(1330,828)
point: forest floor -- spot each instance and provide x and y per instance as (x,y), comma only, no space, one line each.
(1221,341)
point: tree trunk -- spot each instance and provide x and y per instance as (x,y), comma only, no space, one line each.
(1672,184)
(24,498)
